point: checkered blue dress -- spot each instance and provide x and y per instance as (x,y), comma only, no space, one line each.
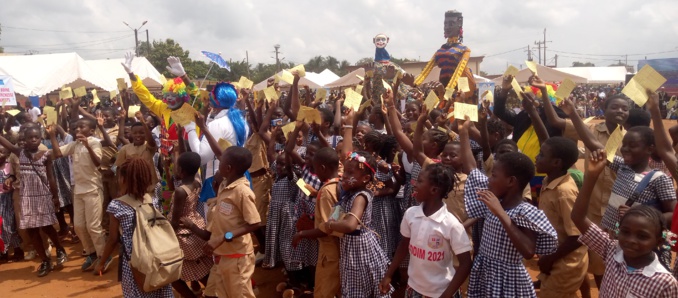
(37,207)
(386,218)
(409,200)
(497,269)
(362,262)
(127,217)
(10,234)
(306,251)
(280,227)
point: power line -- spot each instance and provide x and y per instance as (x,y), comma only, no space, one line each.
(63,31)
(74,43)
(518,49)
(619,55)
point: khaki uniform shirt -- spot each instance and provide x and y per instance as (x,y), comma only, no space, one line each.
(86,175)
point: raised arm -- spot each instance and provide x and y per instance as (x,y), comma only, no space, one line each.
(100,125)
(291,141)
(293,102)
(468,161)
(337,112)
(596,165)
(122,118)
(584,133)
(417,147)
(539,127)
(150,142)
(348,134)
(662,142)
(266,122)
(482,126)
(551,115)
(213,143)
(398,132)
(11,147)
(500,102)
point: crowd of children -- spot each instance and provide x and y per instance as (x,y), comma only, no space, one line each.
(391,197)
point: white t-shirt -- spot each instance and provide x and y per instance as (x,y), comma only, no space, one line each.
(35,113)
(433,241)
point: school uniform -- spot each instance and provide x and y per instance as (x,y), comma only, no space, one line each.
(233,207)
(262,181)
(88,195)
(327,269)
(556,200)
(434,240)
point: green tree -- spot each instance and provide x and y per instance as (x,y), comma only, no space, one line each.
(343,68)
(364,61)
(315,64)
(483,74)
(582,64)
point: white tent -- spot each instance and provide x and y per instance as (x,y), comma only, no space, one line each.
(323,78)
(42,74)
(435,76)
(302,81)
(598,75)
(111,69)
(349,79)
(545,73)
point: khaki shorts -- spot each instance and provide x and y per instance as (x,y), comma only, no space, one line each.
(261,186)
(231,277)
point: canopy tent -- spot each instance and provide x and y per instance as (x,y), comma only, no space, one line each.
(546,74)
(112,70)
(434,75)
(349,79)
(41,74)
(598,75)
(302,81)
(323,78)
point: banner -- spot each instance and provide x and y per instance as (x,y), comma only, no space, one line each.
(7,97)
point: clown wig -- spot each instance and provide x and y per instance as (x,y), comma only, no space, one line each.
(224,96)
(178,87)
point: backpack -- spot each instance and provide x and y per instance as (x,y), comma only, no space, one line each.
(156,258)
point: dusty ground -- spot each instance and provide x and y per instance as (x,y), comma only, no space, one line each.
(19,279)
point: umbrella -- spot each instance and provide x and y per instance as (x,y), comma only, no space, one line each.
(217,59)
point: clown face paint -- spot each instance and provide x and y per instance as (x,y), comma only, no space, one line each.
(172,100)
(453,24)
(380,41)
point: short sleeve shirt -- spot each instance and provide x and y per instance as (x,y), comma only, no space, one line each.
(556,200)
(233,208)
(86,174)
(434,240)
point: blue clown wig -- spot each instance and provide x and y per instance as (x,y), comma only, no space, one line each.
(224,96)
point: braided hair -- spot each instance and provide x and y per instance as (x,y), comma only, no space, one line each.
(438,137)
(441,176)
(651,213)
(137,173)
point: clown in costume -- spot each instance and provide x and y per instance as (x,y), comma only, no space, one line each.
(383,68)
(452,56)
(175,93)
(226,122)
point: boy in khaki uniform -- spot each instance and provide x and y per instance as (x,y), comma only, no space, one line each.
(231,217)
(562,272)
(327,283)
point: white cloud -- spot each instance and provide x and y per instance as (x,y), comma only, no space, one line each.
(344,29)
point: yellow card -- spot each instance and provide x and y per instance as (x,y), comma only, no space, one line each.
(646,78)
(449,93)
(302,185)
(113,94)
(360,78)
(80,91)
(465,109)
(309,115)
(359,89)
(386,85)
(517,89)
(270,94)
(364,106)
(487,95)
(95,97)
(184,115)
(614,142)
(300,70)
(320,95)
(66,93)
(671,103)
(245,83)
(352,100)
(122,85)
(13,112)
(532,66)
(287,77)
(131,110)
(204,95)
(369,73)
(288,128)
(511,70)
(462,84)
(224,144)
(431,101)
(587,120)
(565,89)
(51,114)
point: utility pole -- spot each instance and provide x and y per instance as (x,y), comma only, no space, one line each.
(556,60)
(136,36)
(277,60)
(529,53)
(538,44)
(544,43)
(148,44)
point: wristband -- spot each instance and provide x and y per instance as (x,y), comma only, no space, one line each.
(348,126)
(228,236)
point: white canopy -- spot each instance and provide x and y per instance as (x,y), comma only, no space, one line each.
(111,69)
(598,75)
(42,74)
(545,73)
(349,79)
(323,78)
(434,75)
(302,81)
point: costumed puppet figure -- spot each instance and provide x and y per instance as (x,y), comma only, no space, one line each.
(383,68)
(452,56)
